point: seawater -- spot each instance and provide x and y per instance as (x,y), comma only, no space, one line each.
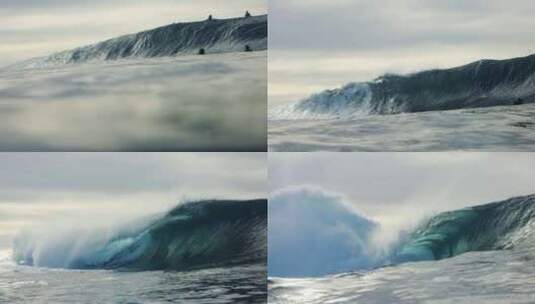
(24,284)
(505,276)
(500,128)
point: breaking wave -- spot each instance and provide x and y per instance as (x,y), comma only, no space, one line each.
(484,83)
(313,232)
(352,99)
(329,238)
(191,236)
(213,36)
(502,225)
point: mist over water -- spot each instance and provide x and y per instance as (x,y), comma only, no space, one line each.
(312,233)
(189,103)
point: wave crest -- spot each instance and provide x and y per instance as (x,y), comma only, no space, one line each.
(191,236)
(484,83)
(496,226)
(213,36)
(350,100)
(326,237)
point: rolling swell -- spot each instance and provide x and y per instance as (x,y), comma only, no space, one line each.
(194,235)
(496,226)
(214,36)
(484,83)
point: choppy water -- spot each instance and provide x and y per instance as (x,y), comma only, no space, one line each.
(501,128)
(22,284)
(475,277)
(192,103)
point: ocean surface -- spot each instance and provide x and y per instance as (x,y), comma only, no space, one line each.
(479,254)
(505,276)
(499,128)
(198,252)
(25,284)
(185,103)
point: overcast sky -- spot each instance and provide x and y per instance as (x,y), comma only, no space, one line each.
(30,28)
(317,44)
(395,186)
(37,187)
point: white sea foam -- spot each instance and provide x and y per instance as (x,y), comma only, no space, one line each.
(351,100)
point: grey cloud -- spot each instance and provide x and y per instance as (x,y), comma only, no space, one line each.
(106,188)
(25,4)
(26,176)
(365,25)
(50,4)
(386,183)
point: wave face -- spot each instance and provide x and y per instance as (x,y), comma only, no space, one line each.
(484,83)
(192,236)
(496,226)
(214,36)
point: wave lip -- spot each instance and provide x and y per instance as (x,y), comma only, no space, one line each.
(213,36)
(352,99)
(502,225)
(484,83)
(195,235)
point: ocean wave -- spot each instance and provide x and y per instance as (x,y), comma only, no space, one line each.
(484,83)
(497,226)
(194,235)
(348,101)
(327,237)
(212,36)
